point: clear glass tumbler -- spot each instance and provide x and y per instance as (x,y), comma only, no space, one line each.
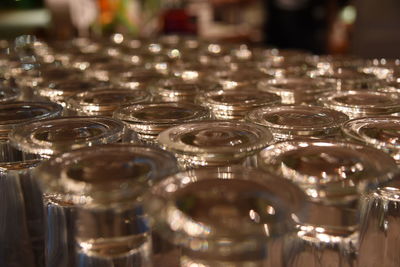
(293,122)
(21,231)
(357,104)
(296,90)
(104,101)
(382,132)
(44,139)
(180,90)
(149,119)
(214,143)
(60,91)
(94,195)
(346,78)
(31,81)
(231,216)
(234,104)
(379,230)
(334,175)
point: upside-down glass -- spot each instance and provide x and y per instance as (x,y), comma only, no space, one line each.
(96,193)
(330,62)
(136,78)
(103,102)
(231,216)
(357,104)
(60,91)
(107,71)
(44,139)
(21,231)
(291,122)
(285,68)
(48,73)
(333,174)
(296,90)
(31,81)
(346,78)
(180,89)
(89,61)
(234,104)
(380,226)
(231,79)
(277,56)
(214,143)
(382,132)
(195,72)
(149,119)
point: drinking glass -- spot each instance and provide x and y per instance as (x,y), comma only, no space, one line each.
(381,132)
(21,232)
(94,196)
(234,104)
(334,175)
(231,216)
(149,119)
(214,143)
(104,101)
(291,122)
(296,90)
(357,104)
(379,226)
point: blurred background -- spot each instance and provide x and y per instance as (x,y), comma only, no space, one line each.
(367,28)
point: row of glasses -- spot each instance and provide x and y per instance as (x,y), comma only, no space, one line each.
(333,174)
(21,232)
(51,137)
(228,81)
(42,238)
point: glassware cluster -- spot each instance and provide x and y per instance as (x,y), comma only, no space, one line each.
(176,151)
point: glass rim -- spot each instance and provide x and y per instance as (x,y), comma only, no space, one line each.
(336,188)
(328,100)
(79,103)
(161,204)
(173,86)
(353,128)
(337,118)
(73,177)
(170,139)
(315,86)
(51,110)
(260,98)
(156,125)
(31,138)
(335,61)
(329,74)
(56,93)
